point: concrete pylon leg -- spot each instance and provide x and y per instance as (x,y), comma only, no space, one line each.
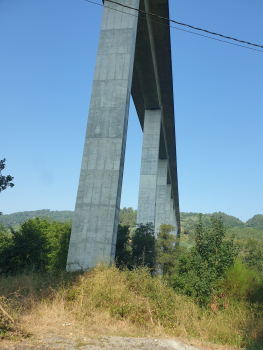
(173,218)
(149,167)
(161,215)
(95,222)
(168,204)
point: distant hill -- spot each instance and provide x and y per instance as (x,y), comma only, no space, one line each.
(20,217)
(128,217)
(256,222)
(189,220)
(253,228)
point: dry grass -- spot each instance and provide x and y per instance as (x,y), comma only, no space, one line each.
(108,301)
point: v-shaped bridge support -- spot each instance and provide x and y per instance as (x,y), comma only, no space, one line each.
(134,57)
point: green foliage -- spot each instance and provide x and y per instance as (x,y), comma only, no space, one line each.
(167,249)
(242,283)
(144,303)
(253,254)
(127,216)
(44,214)
(143,246)
(256,222)
(36,245)
(123,247)
(253,228)
(58,235)
(27,249)
(5,181)
(5,238)
(245,233)
(203,267)
(190,220)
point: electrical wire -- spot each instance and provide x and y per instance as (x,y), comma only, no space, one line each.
(183,24)
(184,30)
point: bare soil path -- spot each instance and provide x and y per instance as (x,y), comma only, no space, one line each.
(51,342)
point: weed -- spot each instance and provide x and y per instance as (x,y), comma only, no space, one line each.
(125,303)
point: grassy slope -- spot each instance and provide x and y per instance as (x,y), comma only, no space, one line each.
(126,303)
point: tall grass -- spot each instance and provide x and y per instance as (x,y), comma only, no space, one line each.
(123,303)
(243,283)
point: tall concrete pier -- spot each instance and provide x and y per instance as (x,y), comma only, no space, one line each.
(134,58)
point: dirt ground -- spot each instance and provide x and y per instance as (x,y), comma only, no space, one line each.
(112,342)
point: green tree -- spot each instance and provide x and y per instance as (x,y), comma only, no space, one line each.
(59,244)
(253,254)
(143,246)
(37,244)
(256,222)
(166,248)
(5,181)
(27,250)
(5,238)
(123,247)
(203,267)
(127,216)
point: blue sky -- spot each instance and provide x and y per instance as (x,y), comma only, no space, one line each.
(48,53)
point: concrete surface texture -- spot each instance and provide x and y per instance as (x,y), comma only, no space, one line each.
(149,167)
(173,219)
(95,222)
(161,214)
(134,57)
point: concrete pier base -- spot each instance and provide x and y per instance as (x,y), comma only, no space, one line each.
(149,167)
(161,215)
(173,218)
(168,204)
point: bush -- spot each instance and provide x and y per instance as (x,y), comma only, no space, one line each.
(143,246)
(123,247)
(242,283)
(27,249)
(123,302)
(36,245)
(253,254)
(201,270)
(167,249)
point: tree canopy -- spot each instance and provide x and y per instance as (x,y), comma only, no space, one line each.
(5,181)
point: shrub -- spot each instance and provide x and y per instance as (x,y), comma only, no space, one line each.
(242,283)
(202,268)
(36,245)
(123,247)
(27,249)
(167,249)
(122,302)
(143,246)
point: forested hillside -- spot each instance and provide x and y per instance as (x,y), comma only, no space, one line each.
(127,216)
(252,229)
(22,216)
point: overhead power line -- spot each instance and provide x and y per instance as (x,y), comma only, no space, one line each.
(183,24)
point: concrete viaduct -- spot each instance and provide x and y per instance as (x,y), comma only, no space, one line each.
(134,58)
